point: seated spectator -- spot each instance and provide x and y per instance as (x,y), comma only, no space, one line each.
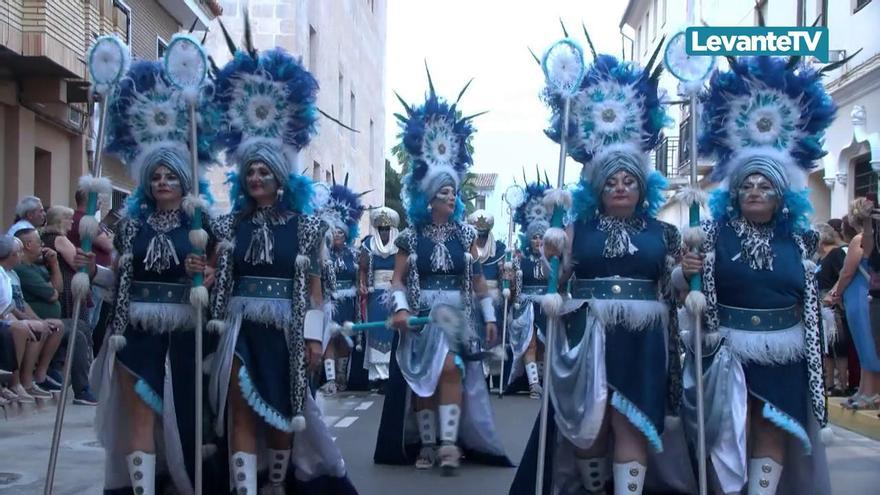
(33,341)
(29,214)
(42,284)
(59,220)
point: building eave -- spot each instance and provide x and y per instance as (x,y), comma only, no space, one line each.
(630,5)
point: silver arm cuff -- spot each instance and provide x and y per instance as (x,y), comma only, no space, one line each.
(488,308)
(400,303)
(104,277)
(314,325)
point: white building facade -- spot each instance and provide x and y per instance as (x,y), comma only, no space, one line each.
(849,170)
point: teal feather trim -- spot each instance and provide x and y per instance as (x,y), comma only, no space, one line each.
(149,396)
(787,423)
(638,419)
(272,417)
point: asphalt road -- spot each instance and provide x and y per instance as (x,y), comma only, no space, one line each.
(354,418)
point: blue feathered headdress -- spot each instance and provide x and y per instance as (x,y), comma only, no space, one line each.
(767,105)
(148,125)
(618,104)
(267,103)
(343,209)
(531,215)
(615,120)
(766,115)
(436,139)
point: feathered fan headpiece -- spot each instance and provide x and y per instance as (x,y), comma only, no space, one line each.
(343,209)
(615,120)
(267,102)
(148,126)
(436,139)
(532,216)
(765,115)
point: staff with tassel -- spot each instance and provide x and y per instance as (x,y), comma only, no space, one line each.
(692,71)
(108,61)
(186,66)
(564,68)
(513,197)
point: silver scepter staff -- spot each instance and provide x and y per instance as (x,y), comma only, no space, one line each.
(692,71)
(186,66)
(108,61)
(513,196)
(564,68)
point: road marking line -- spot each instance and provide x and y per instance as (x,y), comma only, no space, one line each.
(363,406)
(346,422)
(329,420)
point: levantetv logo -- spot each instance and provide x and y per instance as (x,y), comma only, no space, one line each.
(757,40)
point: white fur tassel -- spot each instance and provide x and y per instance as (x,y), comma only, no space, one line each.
(551,304)
(695,303)
(80,286)
(99,185)
(506,293)
(556,238)
(198,296)
(302,261)
(88,227)
(190,95)
(298,423)
(216,326)
(688,195)
(224,246)
(693,237)
(827,435)
(117,342)
(557,197)
(199,239)
(190,202)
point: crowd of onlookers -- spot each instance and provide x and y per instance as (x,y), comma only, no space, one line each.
(39,256)
(849,286)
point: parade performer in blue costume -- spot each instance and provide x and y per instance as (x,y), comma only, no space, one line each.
(344,356)
(526,328)
(490,256)
(144,372)
(763,121)
(430,382)
(267,300)
(376,268)
(615,372)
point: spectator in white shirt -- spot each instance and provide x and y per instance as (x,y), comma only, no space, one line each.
(29,214)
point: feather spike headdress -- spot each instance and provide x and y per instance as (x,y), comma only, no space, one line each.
(616,119)
(148,126)
(267,102)
(343,209)
(765,115)
(532,216)
(436,138)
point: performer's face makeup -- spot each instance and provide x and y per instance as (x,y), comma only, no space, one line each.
(757,198)
(261,182)
(338,238)
(165,185)
(444,200)
(620,194)
(384,233)
(536,242)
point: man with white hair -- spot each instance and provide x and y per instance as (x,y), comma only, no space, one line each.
(29,214)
